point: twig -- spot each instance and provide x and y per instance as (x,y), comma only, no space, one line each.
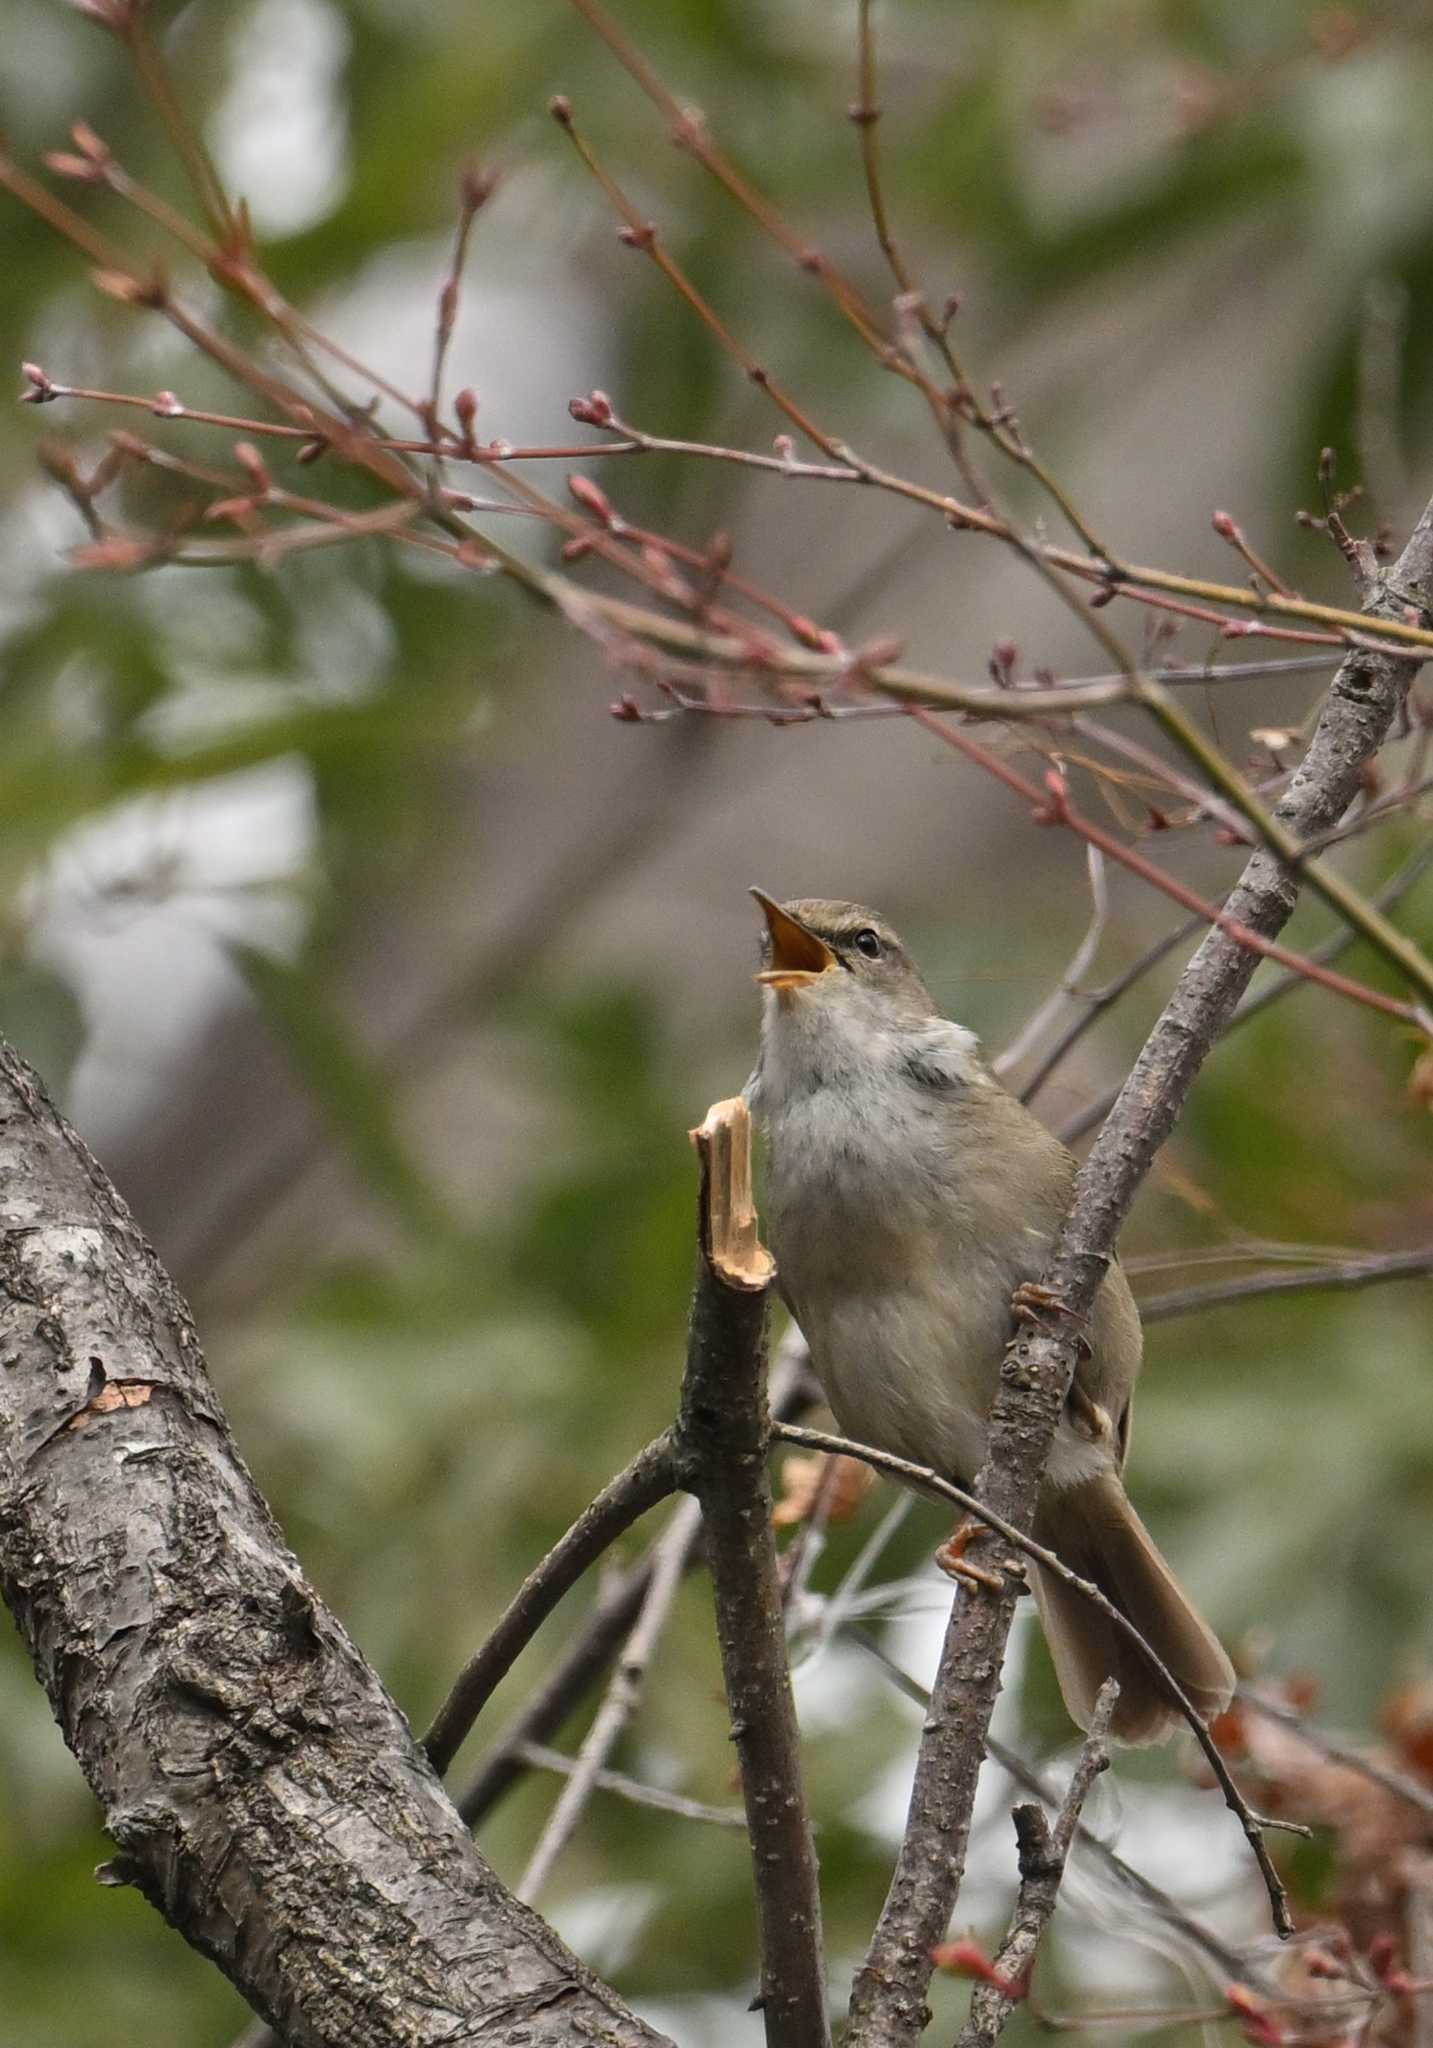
(1371,1270)
(888,1999)
(648,1479)
(1068,989)
(722,1437)
(928,1481)
(1053,806)
(541,1758)
(1042,1852)
(1332,948)
(1105,998)
(1230,1962)
(1402,1787)
(624,1693)
(601,1635)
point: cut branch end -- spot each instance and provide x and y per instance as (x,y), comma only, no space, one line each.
(730,1244)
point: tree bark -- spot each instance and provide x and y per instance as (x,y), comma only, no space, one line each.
(888,2000)
(264,1791)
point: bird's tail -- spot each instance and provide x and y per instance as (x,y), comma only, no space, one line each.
(1093,1529)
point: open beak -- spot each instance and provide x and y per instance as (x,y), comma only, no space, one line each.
(798,957)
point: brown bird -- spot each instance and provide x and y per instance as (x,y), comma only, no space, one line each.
(908,1197)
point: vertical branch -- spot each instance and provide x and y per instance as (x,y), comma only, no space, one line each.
(1042,1853)
(888,2001)
(722,1435)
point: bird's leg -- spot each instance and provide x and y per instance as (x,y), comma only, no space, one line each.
(953,1562)
(1087,1418)
(1031,1302)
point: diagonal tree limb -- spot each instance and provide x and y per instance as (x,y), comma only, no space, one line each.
(598,1640)
(1369,1269)
(1230,1962)
(723,1431)
(620,1702)
(647,1480)
(888,2003)
(1042,1853)
(1253,1824)
(264,1792)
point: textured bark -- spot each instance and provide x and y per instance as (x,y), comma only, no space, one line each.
(264,1791)
(888,2002)
(722,1441)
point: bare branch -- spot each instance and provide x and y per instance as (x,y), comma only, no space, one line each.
(1228,1961)
(1397,1782)
(1332,948)
(888,2000)
(647,1480)
(541,1758)
(929,1481)
(1373,1269)
(600,1637)
(624,1693)
(722,1437)
(1042,1853)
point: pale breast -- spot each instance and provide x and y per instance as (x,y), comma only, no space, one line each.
(905,1309)
(899,1243)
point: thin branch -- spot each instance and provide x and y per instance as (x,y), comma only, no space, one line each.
(647,1480)
(623,1696)
(1105,998)
(1397,1782)
(722,1439)
(1373,1269)
(600,1636)
(1332,948)
(929,1481)
(1368,692)
(1052,806)
(1068,988)
(1230,1962)
(541,1758)
(1042,1852)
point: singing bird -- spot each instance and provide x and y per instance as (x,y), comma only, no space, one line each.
(909,1196)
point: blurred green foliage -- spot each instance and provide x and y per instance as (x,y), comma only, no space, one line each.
(431,1400)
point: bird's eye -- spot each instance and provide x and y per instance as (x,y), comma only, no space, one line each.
(869,943)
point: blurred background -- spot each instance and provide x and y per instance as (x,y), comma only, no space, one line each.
(386,971)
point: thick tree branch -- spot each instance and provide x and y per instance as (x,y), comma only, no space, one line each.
(888,1999)
(722,1437)
(264,1791)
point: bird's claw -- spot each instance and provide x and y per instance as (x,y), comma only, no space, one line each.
(952,1560)
(1031,1303)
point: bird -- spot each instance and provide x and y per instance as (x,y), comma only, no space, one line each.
(909,1199)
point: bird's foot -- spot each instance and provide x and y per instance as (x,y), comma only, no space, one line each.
(1031,1303)
(954,1563)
